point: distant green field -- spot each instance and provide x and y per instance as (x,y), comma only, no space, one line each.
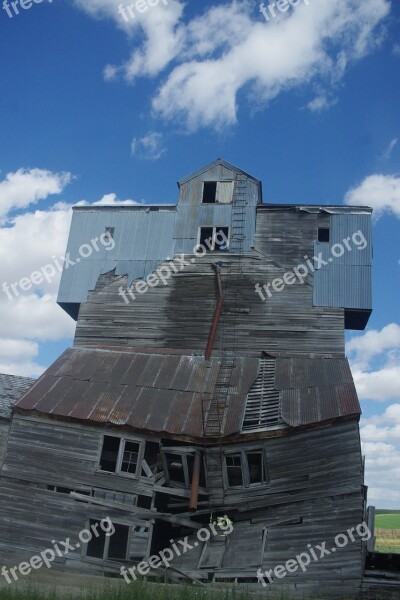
(387,520)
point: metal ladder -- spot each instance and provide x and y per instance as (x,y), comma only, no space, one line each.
(213,418)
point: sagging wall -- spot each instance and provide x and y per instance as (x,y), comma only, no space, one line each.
(313,491)
(42,453)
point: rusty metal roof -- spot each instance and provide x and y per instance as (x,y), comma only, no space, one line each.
(155,392)
(314,390)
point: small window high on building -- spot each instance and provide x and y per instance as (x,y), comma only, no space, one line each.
(323,234)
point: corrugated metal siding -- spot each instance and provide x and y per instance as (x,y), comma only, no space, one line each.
(315,389)
(153,392)
(317,404)
(311,372)
(143,239)
(346,282)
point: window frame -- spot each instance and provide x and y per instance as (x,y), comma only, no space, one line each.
(215,229)
(245,468)
(106,542)
(122,441)
(217,191)
(183,454)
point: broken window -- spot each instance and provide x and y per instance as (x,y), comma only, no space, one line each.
(217,192)
(118,543)
(178,468)
(108,547)
(209,192)
(109,454)
(323,234)
(256,467)
(119,455)
(151,465)
(234,469)
(244,469)
(215,239)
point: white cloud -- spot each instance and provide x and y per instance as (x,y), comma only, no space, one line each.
(208,60)
(383,428)
(375,361)
(381,192)
(321,103)
(112,200)
(149,147)
(363,348)
(396,49)
(388,151)
(381,385)
(382,473)
(28,186)
(28,242)
(17,358)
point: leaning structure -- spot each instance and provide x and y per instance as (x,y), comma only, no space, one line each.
(221,390)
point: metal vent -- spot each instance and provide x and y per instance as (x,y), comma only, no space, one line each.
(263,407)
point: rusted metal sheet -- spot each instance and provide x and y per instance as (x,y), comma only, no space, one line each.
(295,372)
(317,404)
(150,392)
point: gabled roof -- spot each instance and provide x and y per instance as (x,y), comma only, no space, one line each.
(212,165)
(12,388)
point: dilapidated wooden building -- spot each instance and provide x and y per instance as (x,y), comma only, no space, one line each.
(201,384)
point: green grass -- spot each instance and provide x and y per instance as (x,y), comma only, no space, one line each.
(390,520)
(136,591)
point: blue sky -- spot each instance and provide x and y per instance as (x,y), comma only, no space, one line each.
(93,108)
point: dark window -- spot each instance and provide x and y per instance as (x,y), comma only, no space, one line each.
(221,239)
(112,547)
(96,546)
(255,463)
(206,237)
(109,454)
(209,192)
(245,468)
(130,457)
(118,543)
(175,468)
(152,457)
(214,238)
(144,502)
(323,234)
(110,231)
(234,469)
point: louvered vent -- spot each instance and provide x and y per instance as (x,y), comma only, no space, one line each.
(263,408)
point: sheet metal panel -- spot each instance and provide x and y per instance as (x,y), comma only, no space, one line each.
(298,372)
(153,392)
(318,404)
(346,280)
(143,238)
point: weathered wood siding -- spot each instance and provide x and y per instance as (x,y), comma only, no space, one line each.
(44,453)
(314,492)
(179,314)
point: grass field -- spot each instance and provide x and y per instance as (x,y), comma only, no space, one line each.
(387,520)
(387,531)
